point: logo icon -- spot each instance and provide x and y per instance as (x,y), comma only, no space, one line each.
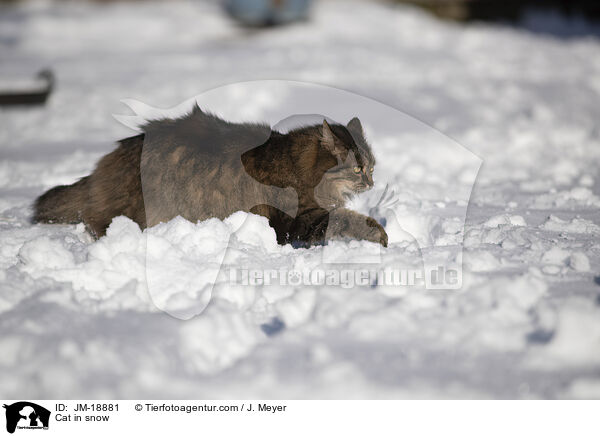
(26,415)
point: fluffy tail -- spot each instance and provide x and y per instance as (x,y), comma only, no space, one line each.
(62,204)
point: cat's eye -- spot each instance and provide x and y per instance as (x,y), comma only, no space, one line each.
(371,169)
(356,170)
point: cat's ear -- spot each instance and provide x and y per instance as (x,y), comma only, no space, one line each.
(355,126)
(196,109)
(330,142)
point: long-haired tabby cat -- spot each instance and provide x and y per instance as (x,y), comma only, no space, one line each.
(200,166)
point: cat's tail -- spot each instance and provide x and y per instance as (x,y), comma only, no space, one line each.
(62,204)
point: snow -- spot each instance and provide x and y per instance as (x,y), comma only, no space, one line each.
(579,262)
(95,319)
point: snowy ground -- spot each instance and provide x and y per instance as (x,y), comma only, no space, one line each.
(76,317)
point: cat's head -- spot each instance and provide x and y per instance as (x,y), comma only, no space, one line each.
(350,172)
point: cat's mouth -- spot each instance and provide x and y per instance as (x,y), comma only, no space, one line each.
(362,187)
(349,193)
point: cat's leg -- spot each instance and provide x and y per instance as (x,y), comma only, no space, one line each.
(278,220)
(306,229)
(315,226)
(346,224)
(309,228)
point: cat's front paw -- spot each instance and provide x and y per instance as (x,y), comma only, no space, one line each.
(376,232)
(349,225)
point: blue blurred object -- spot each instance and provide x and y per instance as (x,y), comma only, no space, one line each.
(273,327)
(267,12)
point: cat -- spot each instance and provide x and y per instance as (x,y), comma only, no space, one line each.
(200,166)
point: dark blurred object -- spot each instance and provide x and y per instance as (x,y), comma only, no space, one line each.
(511,10)
(34,95)
(267,12)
